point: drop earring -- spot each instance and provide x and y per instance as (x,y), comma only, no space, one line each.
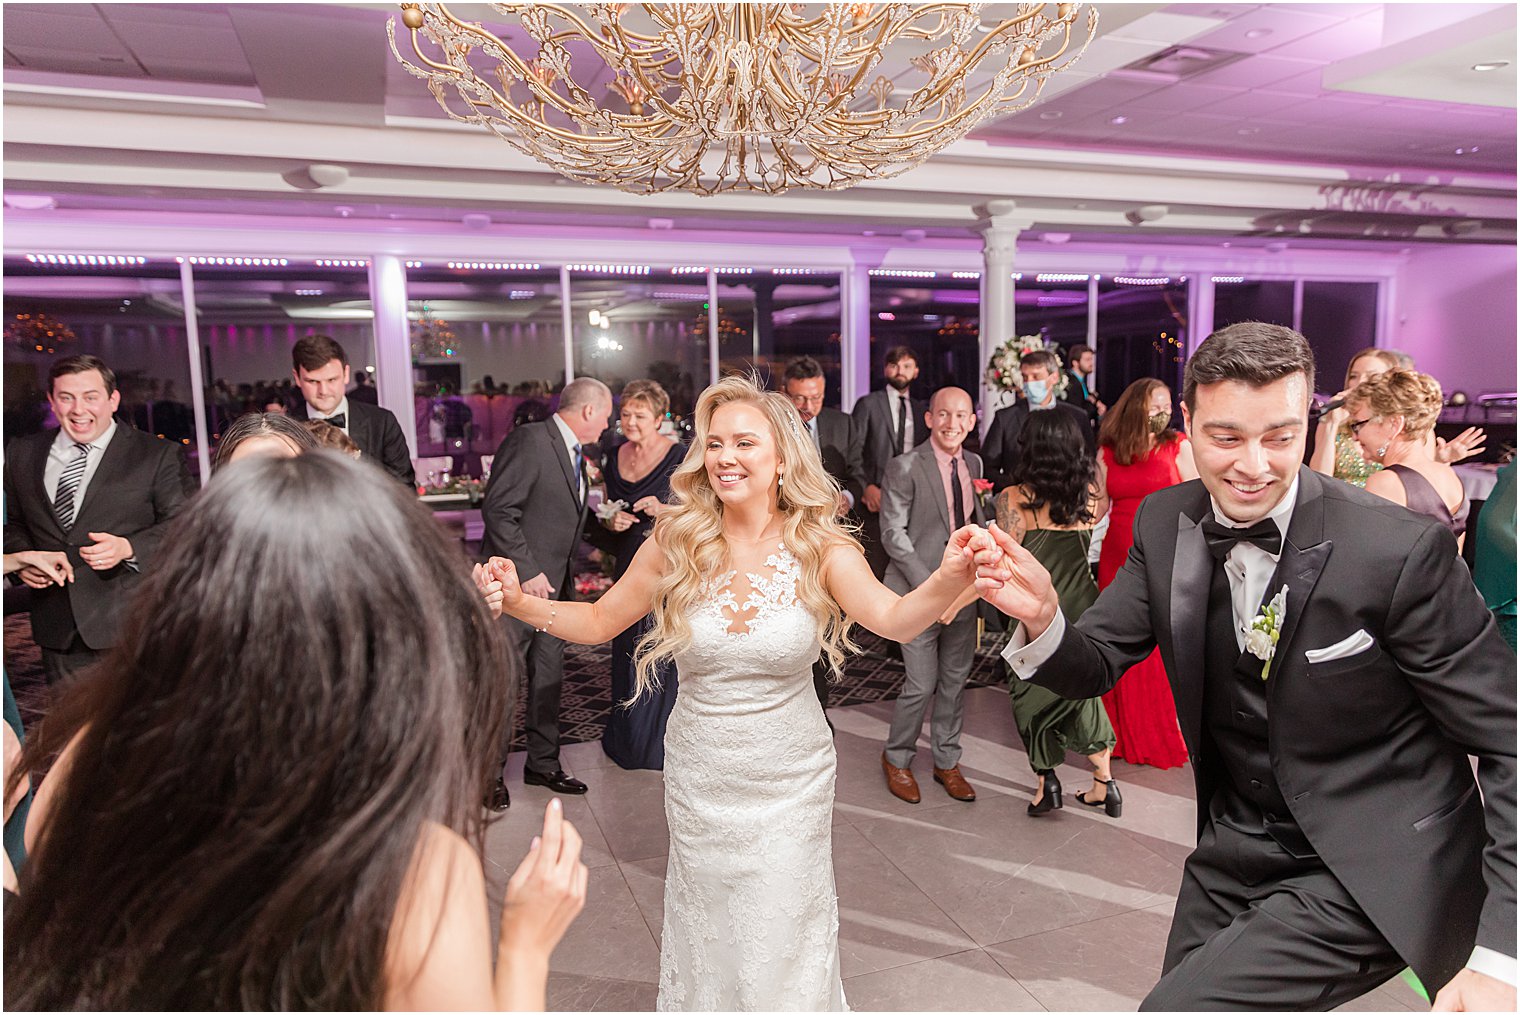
(1382,451)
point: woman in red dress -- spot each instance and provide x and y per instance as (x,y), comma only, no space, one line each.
(1138,454)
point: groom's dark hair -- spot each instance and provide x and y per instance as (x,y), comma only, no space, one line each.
(1252,353)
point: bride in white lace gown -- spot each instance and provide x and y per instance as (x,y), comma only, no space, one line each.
(749,578)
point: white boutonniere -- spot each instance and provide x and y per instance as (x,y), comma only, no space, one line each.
(1266,628)
(608,509)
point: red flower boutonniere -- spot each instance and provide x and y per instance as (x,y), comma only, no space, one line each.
(983,490)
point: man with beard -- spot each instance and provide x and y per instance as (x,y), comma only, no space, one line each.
(888,422)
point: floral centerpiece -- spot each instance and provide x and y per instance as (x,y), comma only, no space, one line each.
(473,488)
(1003,367)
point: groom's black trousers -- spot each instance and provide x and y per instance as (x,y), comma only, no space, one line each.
(1258,929)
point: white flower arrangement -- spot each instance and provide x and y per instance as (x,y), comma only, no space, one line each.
(1266,628)
(1003,367)
(608,509)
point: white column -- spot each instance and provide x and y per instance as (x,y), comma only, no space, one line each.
(393,342)
(855,328)
(1000,231)
(197,370)
(1092,313)
(1200,311)
(712,326)
(567,316)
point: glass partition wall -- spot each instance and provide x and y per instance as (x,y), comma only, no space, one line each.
(490,342)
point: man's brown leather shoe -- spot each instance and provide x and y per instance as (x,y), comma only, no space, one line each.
(900,781)
(955,784)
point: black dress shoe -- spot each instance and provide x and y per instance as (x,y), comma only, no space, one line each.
(500,799)
(559,781)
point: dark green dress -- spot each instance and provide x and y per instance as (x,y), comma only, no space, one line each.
(1049,724)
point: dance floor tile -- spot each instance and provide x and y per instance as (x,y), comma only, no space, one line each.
(1105,965)
(646,880)
(630,810)
(611,938)
(966,981)
(509,834)
(1001,874)
(884,919)
(570,992)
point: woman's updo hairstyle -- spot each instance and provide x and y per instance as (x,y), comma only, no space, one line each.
(1408,393)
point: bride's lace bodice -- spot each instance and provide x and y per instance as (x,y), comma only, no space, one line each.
(727,656)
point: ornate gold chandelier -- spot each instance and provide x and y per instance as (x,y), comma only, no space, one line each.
(716,97)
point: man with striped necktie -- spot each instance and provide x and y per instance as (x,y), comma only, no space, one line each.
(100,492)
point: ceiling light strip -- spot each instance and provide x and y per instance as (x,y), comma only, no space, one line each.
(87,260)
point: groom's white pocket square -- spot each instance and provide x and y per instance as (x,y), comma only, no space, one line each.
(1361,641)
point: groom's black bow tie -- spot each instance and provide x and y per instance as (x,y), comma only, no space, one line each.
(339,421)
(1222,538)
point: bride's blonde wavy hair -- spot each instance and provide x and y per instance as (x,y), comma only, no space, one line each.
(691,534)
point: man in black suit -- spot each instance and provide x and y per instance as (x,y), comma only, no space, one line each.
(1040,369)
(534,509)
(98,491)
(1081,390)
(838,445)
(888,422)
(1341,832)
(320,367)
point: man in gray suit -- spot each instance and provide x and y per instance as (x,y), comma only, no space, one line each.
(534,509)
(926,495)
(886,424)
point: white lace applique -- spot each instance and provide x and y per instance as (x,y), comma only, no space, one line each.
(751,915)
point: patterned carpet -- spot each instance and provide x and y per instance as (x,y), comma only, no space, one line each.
(587,693)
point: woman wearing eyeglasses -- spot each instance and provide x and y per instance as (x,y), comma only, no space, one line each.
(1393,418)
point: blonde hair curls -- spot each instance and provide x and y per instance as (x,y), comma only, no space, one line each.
(691,534)
(1408,393)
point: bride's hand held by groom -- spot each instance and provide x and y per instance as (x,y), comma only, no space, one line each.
(1016,583)
(968,547)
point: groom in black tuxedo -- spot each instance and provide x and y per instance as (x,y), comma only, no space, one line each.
(1341,834)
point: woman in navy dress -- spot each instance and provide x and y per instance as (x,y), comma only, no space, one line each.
(637,472)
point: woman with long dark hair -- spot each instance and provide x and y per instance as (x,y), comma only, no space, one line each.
(270,794)
(1050,508)
(1138,454)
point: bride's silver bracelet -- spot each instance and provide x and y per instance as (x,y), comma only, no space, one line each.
(545,628)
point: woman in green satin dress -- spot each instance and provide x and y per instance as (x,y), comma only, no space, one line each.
(1051,508)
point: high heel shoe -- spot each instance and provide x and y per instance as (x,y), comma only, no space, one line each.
(1112,803)
(1050,800)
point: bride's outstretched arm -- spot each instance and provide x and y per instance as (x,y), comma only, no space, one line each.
(629,598)
(901,618)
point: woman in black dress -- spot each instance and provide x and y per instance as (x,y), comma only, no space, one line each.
(637,472)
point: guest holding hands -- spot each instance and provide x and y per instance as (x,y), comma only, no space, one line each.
(296,827)
(1050,509)
(1138,454)
(637,473)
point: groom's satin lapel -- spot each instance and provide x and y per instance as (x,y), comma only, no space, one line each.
(1191,568)
(1305,552)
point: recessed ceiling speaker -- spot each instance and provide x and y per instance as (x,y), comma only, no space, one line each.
(316,176)
(1146,213)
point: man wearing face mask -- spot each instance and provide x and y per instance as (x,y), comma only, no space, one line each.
(1040,370)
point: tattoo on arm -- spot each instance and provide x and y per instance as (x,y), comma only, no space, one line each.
(1009,518)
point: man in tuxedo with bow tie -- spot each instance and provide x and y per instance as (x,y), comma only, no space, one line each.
(320,367)
(534,510)
(1341,834)
(98,491)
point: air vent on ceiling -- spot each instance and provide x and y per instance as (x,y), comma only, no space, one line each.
(1178,63)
